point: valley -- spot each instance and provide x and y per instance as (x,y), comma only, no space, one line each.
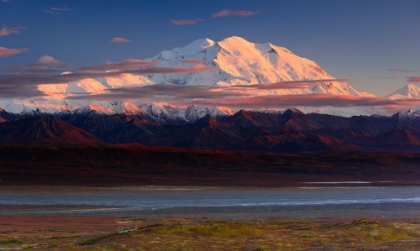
(133,164)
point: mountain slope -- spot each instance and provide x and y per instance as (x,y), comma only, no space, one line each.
(288,131)
(255,119)
(44,130)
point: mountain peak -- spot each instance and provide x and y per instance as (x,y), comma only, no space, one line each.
(200,44)
(236,43)
(203,42)
(407,114)
(408,91)
(234,39)
(293,111)
(412,87)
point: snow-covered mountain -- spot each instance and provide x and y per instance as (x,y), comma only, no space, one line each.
(408,91)
(234,61)
(162,113)
(239,62)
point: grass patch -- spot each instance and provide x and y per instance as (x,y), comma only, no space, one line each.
(183,234)
(215,229)
(10,241)
(376,231)
(95,239)
(29,247)
(54,237)
(285,223)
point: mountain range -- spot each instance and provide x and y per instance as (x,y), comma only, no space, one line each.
(67,115)
(288,131)
(233,62)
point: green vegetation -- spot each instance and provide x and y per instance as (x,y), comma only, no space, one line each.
(10,241)
(212,229)
(183,234)
(95,239)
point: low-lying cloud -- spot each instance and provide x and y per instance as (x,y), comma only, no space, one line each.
(36,79)
(299,83)
(124,65)
(23,80)
(244,97)
(307,100)
(192,61)
(20,92)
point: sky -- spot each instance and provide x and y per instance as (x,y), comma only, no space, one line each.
(374,42)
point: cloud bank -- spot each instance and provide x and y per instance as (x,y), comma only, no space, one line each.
(234,97)
(22,81)
(124,65)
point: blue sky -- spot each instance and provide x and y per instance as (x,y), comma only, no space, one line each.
(359,39)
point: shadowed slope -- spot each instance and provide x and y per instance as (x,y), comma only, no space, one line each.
(44,130)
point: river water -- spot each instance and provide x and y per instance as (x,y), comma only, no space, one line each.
(163,198)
